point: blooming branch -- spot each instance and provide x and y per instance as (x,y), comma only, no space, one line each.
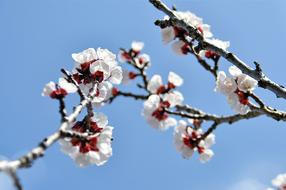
(203,44)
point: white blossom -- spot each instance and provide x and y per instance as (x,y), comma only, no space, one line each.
(84,56)
(95,69)
(280,182)
(245,83)
(206,155)
(154,83)
(61,89)
(193,20)
(236,105)
(137,46)
(235,88)
(185,138)
(142,60)
(168,34)
(174,98)
(175,79)
(225,85)
(153,112)
(96,150)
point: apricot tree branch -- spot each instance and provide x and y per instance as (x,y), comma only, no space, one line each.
(256,73)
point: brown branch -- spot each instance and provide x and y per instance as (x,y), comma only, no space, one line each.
(16,181)
(218,119)
(62,109)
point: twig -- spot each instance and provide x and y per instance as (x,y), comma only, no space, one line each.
(27,159)
(15,179)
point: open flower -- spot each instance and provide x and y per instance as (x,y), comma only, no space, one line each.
(236,88)
(137,46)
(142,60)
(60,90)
(96,66)
(187,140)
(154,113)
(279,182)
(225,85)
(96,149)
(96,69)
(168,34)
(155,85)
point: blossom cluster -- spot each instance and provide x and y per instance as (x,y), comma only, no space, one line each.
(188,139)
(95,71)
(182,45)
(163,97)
(134,57)
(279,182)
(236,88)
(96,149)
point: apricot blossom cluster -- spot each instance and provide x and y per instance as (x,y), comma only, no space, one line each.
(94,71)
(236,88)
(162,97)
(182,46)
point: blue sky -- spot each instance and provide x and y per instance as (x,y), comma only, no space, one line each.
(37,39)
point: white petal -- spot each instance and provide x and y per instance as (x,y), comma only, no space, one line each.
(167,123)
(106,55)
(174,98)
(246,83)
(100,119)
(137,46)
(224,84)
(154,83)
(102,66)
(187,152)
(84,56)
(116,75)
(69,87)
(101,94)
(209,140)
(168,34)
(49,88)
(206,155)
(234,71)
(175,79)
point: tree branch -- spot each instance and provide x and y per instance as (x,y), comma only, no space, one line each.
(257,74)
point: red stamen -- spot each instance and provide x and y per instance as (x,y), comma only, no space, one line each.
(114,91)
(58,93)
(188,142)
(171,85)
(161,90)
(132,75)
(243,97)
(98,76)
(201,149)
(185,49)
